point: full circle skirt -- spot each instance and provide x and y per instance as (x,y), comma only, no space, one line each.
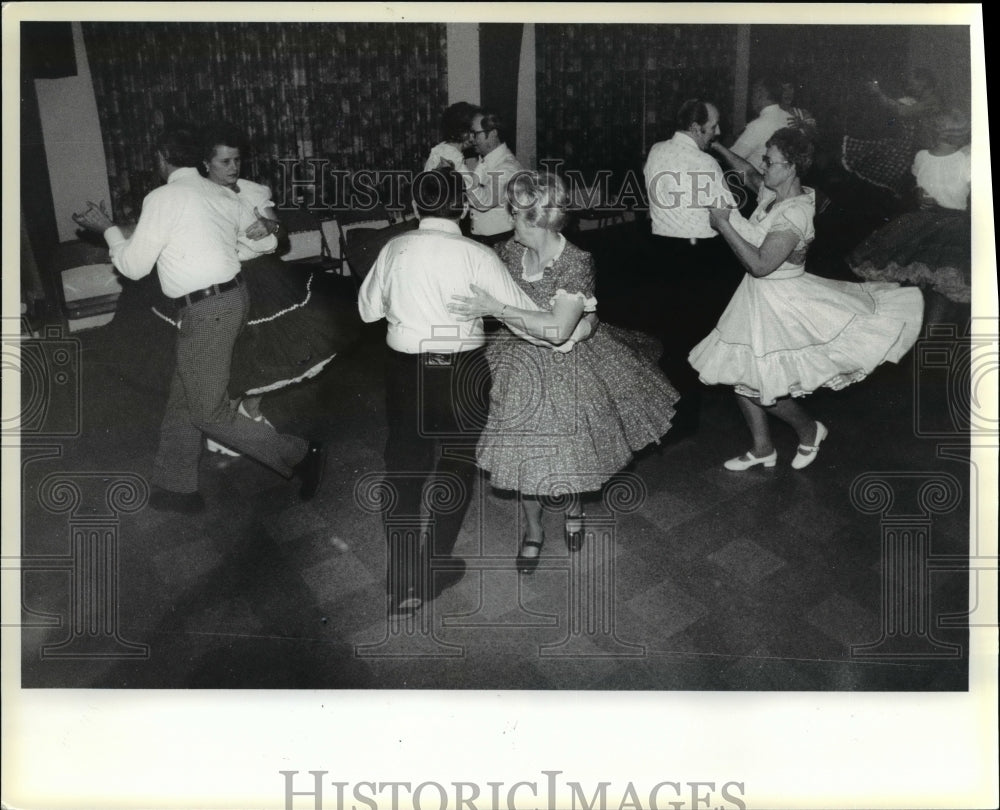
(791,335)
(294,328)
(563,423)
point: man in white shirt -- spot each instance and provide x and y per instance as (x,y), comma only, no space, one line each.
(188,229)
(487,185)
(437,380)
(692,274)
(765,99)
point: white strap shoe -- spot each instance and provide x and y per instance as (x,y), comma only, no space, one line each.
(748,460)
(807,452)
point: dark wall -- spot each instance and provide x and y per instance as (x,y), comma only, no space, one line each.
(499,60)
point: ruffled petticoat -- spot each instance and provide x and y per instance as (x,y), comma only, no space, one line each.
(932,249)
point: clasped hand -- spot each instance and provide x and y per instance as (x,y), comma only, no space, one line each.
(717,214)
(95,218)
(469,307)
(261,229)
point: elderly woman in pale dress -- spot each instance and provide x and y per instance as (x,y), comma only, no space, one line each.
(786,332)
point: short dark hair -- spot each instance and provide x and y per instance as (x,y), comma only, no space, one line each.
(795,146)
(492,120)
(220,133)
(692,111)
(439,193)
(180,145)
(456,121)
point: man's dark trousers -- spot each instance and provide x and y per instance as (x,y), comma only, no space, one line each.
(436,407)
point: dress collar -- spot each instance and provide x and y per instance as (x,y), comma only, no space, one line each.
(538,276)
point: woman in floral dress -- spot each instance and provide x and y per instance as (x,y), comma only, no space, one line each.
(561,423)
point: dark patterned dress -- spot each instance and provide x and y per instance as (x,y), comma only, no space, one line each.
(567,422)
(885,162)
(932,247)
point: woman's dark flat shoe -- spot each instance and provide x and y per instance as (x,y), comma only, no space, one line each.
(527,565)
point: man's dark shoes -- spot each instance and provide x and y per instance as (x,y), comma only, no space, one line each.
(186,503)
(310,470)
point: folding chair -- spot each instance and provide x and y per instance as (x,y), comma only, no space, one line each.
(307,242)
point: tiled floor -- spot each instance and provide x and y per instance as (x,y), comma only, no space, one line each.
(698,579)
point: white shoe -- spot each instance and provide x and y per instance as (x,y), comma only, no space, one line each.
(806,454)
(748,460)
(215,447)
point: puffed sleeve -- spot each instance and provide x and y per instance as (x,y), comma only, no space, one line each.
(795,218)
(253,196)
(578,279)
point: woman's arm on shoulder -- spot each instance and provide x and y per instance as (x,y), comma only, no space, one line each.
(555,326)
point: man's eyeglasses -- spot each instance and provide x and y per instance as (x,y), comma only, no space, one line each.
(475,132)
(768,163)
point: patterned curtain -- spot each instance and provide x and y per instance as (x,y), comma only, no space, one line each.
(363,96)
(607,93)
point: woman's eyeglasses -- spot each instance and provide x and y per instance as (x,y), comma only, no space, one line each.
(768,163)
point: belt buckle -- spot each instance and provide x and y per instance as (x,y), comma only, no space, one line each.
(439,359)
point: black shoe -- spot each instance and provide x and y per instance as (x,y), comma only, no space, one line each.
(450,572)
(405,605)
(574,540)
(310,470)
(187,503)
(527,565)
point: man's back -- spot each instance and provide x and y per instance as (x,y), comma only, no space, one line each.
(681,181)
(188,228)
(414,279)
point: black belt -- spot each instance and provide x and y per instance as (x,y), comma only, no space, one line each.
(698,240)
(436,358)
(208,292)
